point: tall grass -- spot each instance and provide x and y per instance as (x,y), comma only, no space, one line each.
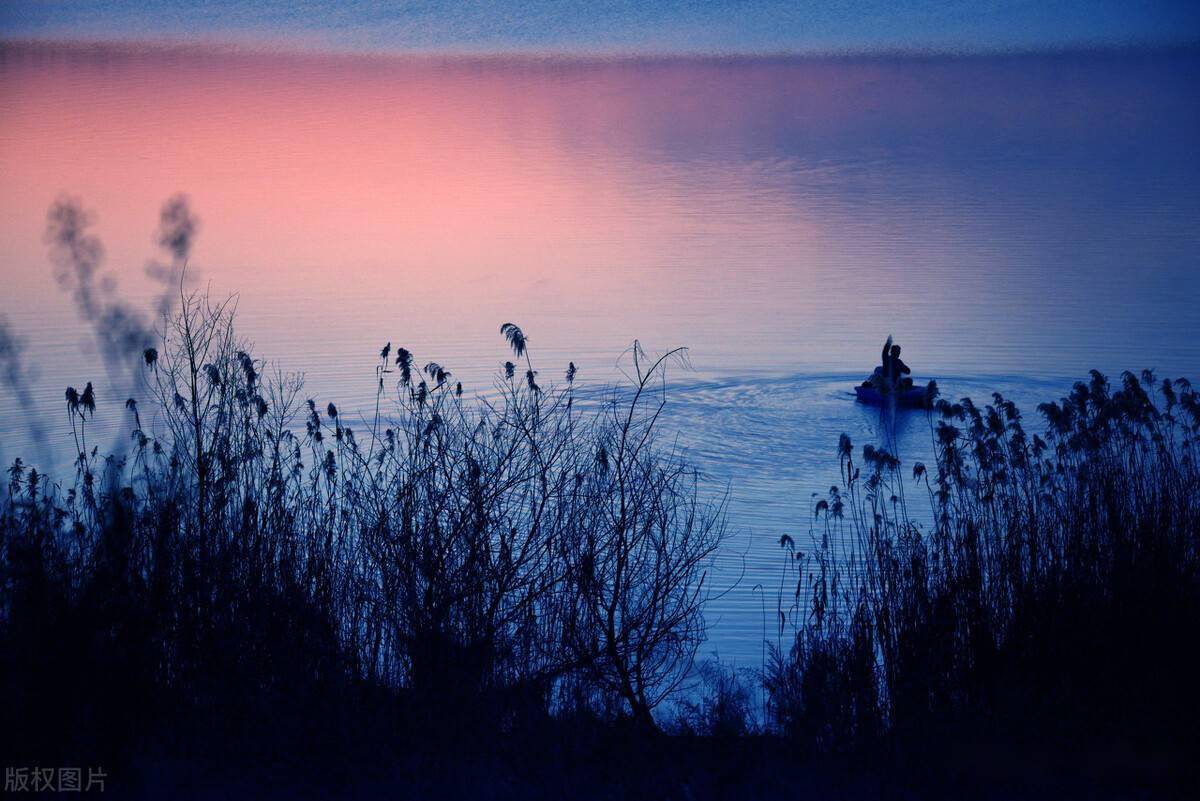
(483,561)
(1054,592)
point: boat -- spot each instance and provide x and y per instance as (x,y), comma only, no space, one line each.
(910,398)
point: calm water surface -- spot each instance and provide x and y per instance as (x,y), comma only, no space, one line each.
(1014,221)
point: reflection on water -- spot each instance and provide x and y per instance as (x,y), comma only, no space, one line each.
(1029,216)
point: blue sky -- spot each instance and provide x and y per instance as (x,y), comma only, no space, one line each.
(605,26)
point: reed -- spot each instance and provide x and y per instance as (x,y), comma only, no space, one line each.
(1053,593)
(483,562)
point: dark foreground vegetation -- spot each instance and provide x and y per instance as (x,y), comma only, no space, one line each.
(503,596)
(1051,606)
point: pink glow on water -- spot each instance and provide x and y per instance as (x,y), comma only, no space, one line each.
(776,214)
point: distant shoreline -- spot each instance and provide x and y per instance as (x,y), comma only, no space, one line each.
(517,55)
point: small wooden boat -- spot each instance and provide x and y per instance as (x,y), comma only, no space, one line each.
(910,398)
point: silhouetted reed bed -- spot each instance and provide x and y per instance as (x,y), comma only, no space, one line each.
(1053,597)
(498,559)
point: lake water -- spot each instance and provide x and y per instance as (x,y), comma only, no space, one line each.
(1013,220)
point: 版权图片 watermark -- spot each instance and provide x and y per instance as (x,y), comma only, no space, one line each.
(54,780)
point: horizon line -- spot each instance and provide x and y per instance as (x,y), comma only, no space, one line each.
(293,48)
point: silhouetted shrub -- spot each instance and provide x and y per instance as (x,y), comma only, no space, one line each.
(722,706)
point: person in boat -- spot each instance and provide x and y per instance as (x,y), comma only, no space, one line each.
(881,378)
(900,370)
(892,374)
